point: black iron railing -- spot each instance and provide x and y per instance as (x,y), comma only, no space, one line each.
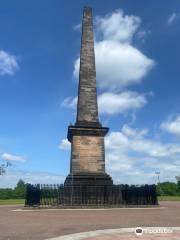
(99,196)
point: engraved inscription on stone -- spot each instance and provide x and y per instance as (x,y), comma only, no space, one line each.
(88,154)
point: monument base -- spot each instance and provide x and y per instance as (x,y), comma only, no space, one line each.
(88,179)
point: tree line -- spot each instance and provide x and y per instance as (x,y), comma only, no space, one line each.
(19,192)
(168,189)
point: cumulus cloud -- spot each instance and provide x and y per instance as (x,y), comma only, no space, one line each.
(172,125)
(8,63)
(172,18)
(133,157)
(65,144)
(11,178)
(118,63)
(11,157)
(117,26)
(111,103)
(131,132)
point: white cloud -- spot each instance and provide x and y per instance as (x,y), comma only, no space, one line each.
(8,63)
(11,178)
(117,26)
(65,144)
(131,132)
(111,103)
(118,63)
(172,18)
(11,157)
(133,157)
(172,126)
(78,27)
(70,102)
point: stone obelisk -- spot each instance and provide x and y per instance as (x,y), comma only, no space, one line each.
(87,165)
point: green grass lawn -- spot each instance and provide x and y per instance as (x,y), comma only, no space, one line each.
(11,201)
(169,198)
(21,201)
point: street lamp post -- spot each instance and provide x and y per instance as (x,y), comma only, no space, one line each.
(158,183)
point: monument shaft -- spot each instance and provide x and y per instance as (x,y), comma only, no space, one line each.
(87,110)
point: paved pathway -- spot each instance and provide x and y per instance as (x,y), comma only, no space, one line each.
(132,237)
(126,234)
(44,224)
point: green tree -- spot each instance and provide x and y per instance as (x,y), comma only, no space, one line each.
(178,186)
(20,189)
(6,193)
(167,188)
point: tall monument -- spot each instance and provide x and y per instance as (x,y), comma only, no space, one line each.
(88,184)
(87,166)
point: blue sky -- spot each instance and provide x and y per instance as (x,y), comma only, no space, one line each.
(137,61)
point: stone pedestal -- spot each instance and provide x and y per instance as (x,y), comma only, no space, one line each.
(87,149)
(87,179)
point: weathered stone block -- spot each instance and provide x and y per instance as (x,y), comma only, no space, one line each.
(88,154)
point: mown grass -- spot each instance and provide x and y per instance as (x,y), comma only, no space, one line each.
(11,201)
(169,198)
